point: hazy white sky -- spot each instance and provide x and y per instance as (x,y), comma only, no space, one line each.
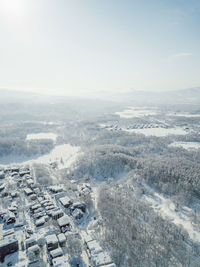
(79,46)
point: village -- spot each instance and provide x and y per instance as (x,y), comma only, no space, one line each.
(40,225)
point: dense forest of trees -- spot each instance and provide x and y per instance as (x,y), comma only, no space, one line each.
(137,236)
(17,147)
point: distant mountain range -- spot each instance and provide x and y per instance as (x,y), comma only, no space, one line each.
(190,96)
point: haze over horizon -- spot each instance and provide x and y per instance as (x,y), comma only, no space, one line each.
(83,47)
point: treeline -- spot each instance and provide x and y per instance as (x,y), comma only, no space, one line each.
(175,176)
(174,171)
(103,162)
(137,236)
(17,146)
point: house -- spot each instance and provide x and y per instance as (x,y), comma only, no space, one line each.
(14,169)
(50,207)
(66,201)
(94,247)
(9,218)
(33,196)
(87,238)
(14,174)
(60,262)
(30,242)
(77,214)
(19,223)
(56,214)
(40,222)
(29,182)
(8,232)
(39,215)
(28,191)
(61,239)
(56,188)
(64,222)
(33,252)
(7,246)
(22,173)
(78,205)
(101,259)
(13,209)
(36,190)
(51,242)
(2,187)
(14,194)
(56,253)
(35,207)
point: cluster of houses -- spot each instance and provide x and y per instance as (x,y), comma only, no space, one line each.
(117,127)
(37,221)
(96,254)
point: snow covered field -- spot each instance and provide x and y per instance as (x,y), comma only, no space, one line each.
(158,131)
(184,114)
(64,155)
(51,136)
(136,112)
(186,145)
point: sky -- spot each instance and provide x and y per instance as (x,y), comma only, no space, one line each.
(89,46)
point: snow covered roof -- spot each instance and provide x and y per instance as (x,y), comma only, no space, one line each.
(36,206)
(63,221)
(94,247)
(61,238)
(56,188)
(30,240)
(57,212)
(60,262)
(101,259)
(28,191)
(65,201)
(77,213)
(40,221)
(8,232)
(51,239)
(8,240)
(87,238)
(56,253)
(34,248)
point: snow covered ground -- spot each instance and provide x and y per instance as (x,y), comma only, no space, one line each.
(186,145)
(166,208)
(136,112)
(34,136)
(184,114)
(158,131)
(64,155)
